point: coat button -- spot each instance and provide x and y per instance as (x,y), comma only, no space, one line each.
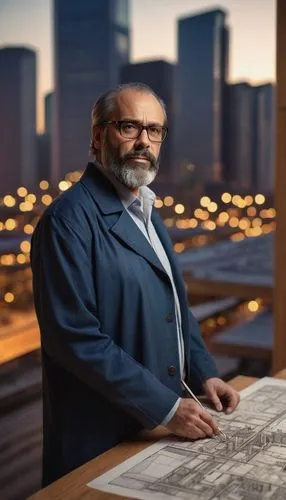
(171,370)
(169,318)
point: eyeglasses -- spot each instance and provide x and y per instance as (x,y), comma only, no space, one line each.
(133,130)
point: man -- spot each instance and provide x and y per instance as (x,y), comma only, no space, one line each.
(117,334)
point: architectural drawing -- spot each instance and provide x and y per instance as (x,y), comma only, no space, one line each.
(249,465)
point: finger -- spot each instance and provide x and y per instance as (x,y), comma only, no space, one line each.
(210,421)
(234,399)
(207,429)
(195,433)
(215,400)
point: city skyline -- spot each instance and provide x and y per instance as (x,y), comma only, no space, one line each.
(17,27)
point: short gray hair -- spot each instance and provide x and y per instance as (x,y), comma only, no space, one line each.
(105,105)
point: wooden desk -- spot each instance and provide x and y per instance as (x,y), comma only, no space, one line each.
(73,485)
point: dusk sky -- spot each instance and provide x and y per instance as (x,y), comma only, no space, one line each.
(252,43)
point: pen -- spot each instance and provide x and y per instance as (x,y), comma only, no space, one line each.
(199,403)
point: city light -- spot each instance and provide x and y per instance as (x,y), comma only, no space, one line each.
(22,192)
(31,198)
(204,201)
(179,208)
(244,223)
(179,247)
(21,259)
(158,203)
(251,211)
(226,197)
(257,222)
(248,200)
(25,246)
(46,199)
(223,217)
(237,237)
(169,222)
(209,224)
(259,199)
(193,223)
(234,222)
(212,207)
(9,201)
(9,297)
(10,224)
(26,206)
(28,229)
(168,201)
(253,306)
(64,185)
(44,185)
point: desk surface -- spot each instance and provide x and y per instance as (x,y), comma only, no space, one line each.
(73,485)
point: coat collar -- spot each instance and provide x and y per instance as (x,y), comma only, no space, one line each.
(118,220)
(101,190)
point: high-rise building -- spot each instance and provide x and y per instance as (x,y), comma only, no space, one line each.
(17,118)
(44,141)
(264,156)
(159,76)
(49,112)
(91,45)
(249,137)
(203,43)
(239,136)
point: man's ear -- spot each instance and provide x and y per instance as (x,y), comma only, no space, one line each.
(97,137)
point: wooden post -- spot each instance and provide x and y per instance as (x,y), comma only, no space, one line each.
(279,347)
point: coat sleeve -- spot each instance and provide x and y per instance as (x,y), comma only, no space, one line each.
(65,302)
(201,363)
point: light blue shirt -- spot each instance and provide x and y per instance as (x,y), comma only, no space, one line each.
(140,209)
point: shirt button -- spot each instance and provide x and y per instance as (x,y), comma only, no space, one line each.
(171,370)
(169,318)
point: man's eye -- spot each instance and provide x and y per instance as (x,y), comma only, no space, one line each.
(155,130)
(129,126)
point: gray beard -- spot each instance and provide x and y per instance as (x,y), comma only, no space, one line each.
(133,178)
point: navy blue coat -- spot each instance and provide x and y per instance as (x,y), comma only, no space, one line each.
(106,312)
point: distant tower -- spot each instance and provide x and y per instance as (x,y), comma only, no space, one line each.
(159,75)
(91,44)
(201,76)
(45,140)
(17,118)
(239,136)
(265,138)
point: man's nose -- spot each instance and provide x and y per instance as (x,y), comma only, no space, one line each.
(143,139)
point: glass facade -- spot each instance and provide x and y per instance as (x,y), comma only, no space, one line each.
(91,44)
(201,74)
(17,118)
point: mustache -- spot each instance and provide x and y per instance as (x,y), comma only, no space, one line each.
(143,153)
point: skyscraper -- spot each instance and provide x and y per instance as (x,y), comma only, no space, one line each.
(45,140)
(265,138)
(17,118)
(49,112)
(159,75)
(249,137)
(91,44)
(240,136)
(201,76)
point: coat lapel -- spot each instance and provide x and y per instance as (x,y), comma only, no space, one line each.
(127,231)
(117,219)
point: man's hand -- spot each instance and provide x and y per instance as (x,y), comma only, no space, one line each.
(222,395)
(191,421)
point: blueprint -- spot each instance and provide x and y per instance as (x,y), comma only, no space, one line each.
(249,465)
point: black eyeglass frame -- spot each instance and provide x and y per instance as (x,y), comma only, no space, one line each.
(141,127)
